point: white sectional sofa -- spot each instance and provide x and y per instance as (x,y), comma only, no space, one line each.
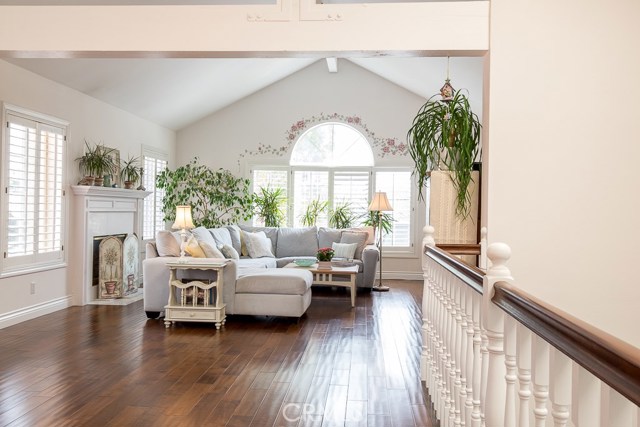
(248,287)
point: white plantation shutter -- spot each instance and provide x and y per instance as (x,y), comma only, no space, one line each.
(153,218)
(33,226)
(309,186)
(352,188)
(397,185)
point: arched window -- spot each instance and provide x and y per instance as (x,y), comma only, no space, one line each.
(332,145)
(333,163)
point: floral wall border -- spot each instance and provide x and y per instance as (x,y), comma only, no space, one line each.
(381,146)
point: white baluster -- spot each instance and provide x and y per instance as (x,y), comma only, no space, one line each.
(484,359)
(469,363)
(621,410)
(523,356)
(498,253)
(510,326)
(476,417)
(560,387)
(449,315)
(457,345)
(540,379)
(589,399)
(426,299)
(482,261)
(464,327)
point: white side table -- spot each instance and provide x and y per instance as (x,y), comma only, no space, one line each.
(196,301)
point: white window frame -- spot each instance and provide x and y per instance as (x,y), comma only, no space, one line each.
(155,153)
(402,251)
(390,251)
(37,261)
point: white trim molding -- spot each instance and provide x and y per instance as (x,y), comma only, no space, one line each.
(27,313)
(401,275)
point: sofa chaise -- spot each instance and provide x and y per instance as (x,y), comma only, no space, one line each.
(257,285)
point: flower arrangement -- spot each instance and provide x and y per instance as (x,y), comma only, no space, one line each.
(325,254)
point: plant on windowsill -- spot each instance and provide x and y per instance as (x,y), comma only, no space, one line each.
(446,135)
(371,220)
(342,216)
(216,197)
(270,204)
(310,216)
(130,172)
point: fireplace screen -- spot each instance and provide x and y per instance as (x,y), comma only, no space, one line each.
(117,265)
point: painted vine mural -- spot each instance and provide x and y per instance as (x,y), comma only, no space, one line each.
(382,146)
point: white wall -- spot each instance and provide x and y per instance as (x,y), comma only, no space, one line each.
(564,151)
(90,119)
(264,117)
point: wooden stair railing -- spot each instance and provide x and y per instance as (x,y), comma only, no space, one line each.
(496,356)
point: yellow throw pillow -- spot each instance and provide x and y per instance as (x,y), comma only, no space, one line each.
(194,249)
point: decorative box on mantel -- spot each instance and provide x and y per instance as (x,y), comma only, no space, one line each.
(100,211)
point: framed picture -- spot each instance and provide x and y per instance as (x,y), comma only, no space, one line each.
(115,178)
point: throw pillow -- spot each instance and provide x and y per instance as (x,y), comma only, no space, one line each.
(234,233)
(371,239)
(193,248)
(359,237)
(203,235)
(211,251)
(166,244)
(344,250)
(229,252)
(258,244)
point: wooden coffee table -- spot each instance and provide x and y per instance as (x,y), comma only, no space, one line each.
(329,277)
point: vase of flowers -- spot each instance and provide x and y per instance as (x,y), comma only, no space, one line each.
(324,256)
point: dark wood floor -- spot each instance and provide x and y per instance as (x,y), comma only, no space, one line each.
(110,366)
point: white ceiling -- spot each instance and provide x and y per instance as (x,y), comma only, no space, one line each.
(177,92)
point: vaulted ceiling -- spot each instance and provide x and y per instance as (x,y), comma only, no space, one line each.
(177,92)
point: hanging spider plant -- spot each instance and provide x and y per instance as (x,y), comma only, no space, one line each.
(446,135)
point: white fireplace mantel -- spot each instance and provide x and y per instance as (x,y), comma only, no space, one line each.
(100,211)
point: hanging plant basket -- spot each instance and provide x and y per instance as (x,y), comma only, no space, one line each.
(445,135)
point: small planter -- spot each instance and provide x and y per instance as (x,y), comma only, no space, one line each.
(324,265)
(98,182)
(88,180)
(129,185)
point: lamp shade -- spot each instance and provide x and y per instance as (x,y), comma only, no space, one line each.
(380,202)
(183,218)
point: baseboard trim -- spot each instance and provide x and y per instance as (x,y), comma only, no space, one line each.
(401,275)
(27,313)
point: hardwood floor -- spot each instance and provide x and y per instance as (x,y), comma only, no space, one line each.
(110,366)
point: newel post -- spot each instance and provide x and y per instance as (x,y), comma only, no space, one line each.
(425,359)
(493,322)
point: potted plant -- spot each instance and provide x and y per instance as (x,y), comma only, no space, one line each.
(130,172)
(371,220)
(324,257)
(445,134)
(270,204)
(216,197)
(313,211)
(96,163)
(341,216)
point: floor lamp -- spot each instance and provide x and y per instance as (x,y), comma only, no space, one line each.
(379,204)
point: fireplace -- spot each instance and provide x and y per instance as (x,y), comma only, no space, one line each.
(102,212)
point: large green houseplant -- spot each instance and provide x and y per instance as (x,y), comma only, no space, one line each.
(97,161)
(446,135)
(270,206)
(216,197)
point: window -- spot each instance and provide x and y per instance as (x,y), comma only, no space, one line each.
(397,185)
(153,162)
(33,161)
(333,162)
(265,178)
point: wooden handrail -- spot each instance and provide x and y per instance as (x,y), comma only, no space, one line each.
(460,248)
(613,361)
(473,276)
